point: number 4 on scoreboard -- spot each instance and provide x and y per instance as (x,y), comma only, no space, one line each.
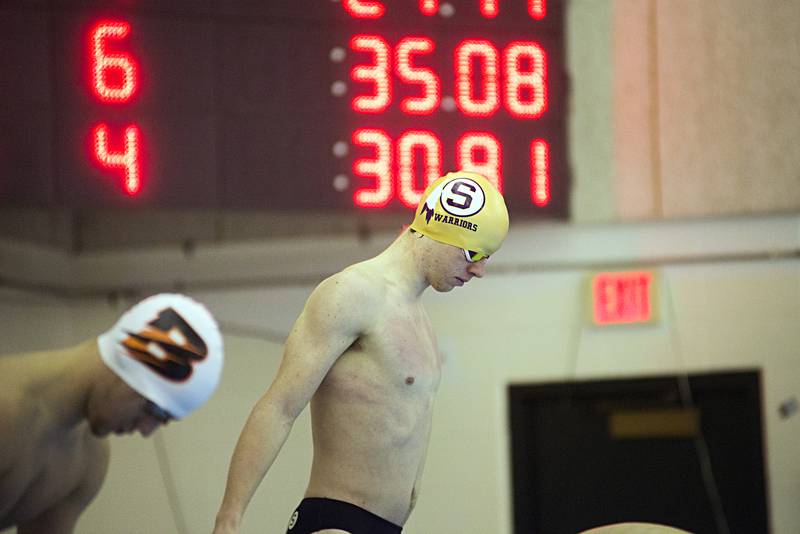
(127,160)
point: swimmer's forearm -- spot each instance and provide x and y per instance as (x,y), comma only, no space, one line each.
(263,436)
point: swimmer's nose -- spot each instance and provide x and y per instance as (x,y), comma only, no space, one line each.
(477,269)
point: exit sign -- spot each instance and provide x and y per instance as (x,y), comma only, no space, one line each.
(623,297)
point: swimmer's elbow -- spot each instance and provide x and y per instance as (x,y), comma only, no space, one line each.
(282,408)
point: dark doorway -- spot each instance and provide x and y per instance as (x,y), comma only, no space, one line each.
(586,454)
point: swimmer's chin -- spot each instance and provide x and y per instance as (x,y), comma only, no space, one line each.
(443,288)
(99,430)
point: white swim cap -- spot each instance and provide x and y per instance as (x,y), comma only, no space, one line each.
(169,349)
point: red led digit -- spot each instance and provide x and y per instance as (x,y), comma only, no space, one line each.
(428,7)
(362,9)
(128,160)
(489,8)
(481,152)
(114,76)
(431,87)
(377,73)
(407,147)
(526,90)
(540,172)
(378,169)
(537,9)
(467,53)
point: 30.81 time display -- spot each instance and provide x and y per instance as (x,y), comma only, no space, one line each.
(345,105)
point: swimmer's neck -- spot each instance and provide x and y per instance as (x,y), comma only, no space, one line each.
(399,263)
(60,382)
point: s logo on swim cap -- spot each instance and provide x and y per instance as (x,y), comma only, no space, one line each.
(463,197)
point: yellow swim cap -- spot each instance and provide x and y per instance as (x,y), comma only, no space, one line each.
(465,210)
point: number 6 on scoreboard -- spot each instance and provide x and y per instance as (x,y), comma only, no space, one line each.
(114,76)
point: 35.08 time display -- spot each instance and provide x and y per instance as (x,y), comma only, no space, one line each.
(483,81)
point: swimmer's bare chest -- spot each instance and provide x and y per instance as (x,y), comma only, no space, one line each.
(393,369)
(371,415)
(45,473)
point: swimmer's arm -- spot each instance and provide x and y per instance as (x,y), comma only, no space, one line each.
(9,433)
(62,516)
(60,519)
(336,313)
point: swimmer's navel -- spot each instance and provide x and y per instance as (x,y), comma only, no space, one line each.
(409,380)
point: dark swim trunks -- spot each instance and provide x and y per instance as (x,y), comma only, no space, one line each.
(315,514)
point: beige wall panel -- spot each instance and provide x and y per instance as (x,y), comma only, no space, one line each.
(589,55)
(729,107)
(635,130)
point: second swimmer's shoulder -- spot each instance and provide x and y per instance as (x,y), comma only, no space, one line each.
(361,280)
(354,292)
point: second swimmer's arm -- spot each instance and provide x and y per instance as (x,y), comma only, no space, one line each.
(261,439)
(327,327)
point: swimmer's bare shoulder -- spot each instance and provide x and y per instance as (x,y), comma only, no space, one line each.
(18,408)
(341,309)
(352,295)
